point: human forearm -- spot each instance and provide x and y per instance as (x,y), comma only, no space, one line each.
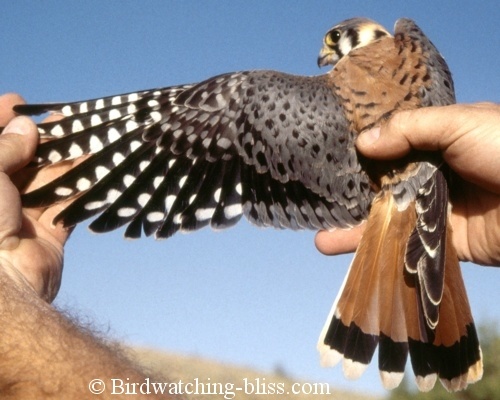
(44,355)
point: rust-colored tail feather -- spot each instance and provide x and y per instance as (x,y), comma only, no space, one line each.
(380,304)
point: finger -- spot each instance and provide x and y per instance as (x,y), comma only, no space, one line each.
(10,213)
(7,101)
(467,136)
(339,241)
(429,128)
(17,144)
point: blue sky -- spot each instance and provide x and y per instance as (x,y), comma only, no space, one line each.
(246,295)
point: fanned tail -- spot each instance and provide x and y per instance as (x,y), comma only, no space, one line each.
(381,304)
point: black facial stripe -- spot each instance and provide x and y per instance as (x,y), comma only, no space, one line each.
(354,36)
(379,34)
(337,50)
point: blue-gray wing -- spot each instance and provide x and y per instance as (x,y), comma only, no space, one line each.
(274,147)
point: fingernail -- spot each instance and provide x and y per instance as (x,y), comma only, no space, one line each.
(18,126)
(369,137)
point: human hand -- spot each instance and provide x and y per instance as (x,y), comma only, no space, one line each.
(468,136)
(31,248)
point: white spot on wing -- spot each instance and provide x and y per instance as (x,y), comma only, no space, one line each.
(63,191)
(155,216)
(177,133)
(83,184)
(217,195)
(202,214)
(66,110)
(95,120)
(134,145)
(75,151)
(169,201)
(233,211)
(133,97)
(113,195)
(54,156)
(57,130)
(84,108)
(118,158)
(224,143)
(144,164)
(77,126)
(128,180)
(155,116)
(157,181)
(114,114)
(99,104)
(143,199)
(182,181)
(177,219)
(94,205)
(113,135)
(101,171)
(125,212)
(131,125)
(95,144)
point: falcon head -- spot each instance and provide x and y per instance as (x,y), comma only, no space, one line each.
(349,35)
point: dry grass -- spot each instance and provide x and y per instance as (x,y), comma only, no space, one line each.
(172,368)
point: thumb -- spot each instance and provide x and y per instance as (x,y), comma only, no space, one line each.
(18,142)
(387,141)
(427,128)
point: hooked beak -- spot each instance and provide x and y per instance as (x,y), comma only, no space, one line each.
(326,57)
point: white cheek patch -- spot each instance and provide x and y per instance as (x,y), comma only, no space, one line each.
(345,45)
(365,37)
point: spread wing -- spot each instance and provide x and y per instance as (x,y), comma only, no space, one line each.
(274,147)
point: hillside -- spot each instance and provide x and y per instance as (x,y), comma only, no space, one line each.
(230,381)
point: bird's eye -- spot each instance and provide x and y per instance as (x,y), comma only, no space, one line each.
(332,38)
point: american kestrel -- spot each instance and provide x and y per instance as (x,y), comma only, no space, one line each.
(279,149)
